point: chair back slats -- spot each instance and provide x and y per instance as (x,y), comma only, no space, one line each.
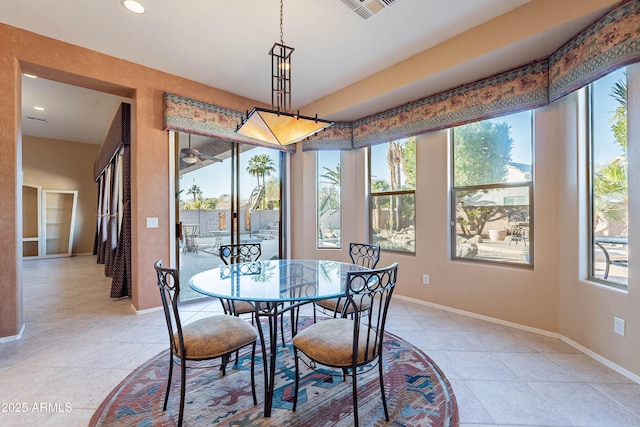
(241,252)
(373,289)
(364,254)
(169,285)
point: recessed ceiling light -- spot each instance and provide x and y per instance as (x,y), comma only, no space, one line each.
(31,76)
(39,108)
(133,5)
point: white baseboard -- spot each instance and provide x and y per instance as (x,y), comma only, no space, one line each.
(145,311)
(619,369)
(14,337)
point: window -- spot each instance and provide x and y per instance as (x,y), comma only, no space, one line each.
(329,203)
(392,182)
(609,218)
(492,194)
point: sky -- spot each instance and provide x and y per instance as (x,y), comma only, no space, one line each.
(605,147)
(215,180)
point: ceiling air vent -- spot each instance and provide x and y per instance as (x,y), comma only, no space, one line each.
(367,8)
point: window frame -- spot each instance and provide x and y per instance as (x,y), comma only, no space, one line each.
(390,193)
(317,207)
(454,190)
(590,176)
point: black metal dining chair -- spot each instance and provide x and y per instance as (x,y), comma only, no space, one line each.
(351,342)
(208,338)
(363,254)
(235,254)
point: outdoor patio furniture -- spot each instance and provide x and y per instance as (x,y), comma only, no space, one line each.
(190,236)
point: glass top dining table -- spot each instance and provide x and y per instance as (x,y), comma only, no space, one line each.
(275,286)
(279,280)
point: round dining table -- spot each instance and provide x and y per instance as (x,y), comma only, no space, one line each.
(274,287)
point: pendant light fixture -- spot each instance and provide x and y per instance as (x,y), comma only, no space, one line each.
(279,125)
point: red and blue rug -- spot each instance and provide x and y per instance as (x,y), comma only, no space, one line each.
(418,394)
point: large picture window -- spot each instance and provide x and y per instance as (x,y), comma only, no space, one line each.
(329,203)
(392,182)
(608,202)
(492,193)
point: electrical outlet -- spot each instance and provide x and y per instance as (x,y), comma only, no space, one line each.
(425,279)
(618,326)
(152,222)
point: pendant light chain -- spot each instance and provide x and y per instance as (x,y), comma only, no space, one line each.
(282,126)
(281,26)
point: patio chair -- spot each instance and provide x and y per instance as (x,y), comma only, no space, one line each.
(518,226)
(190,234)
(351,344)
(362,254)
(204,339)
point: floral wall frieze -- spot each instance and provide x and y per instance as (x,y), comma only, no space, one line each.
(517,89)
(611,42)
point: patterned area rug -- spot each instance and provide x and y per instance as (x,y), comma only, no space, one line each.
(418,394)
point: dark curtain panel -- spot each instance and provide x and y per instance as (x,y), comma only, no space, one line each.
(113,229)
(112,218)
(121,284)
(98,243)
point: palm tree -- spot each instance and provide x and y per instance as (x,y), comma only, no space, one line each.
(610,185)
(195,191)
(394,161)
(329,194)
(261,165)
(331,176)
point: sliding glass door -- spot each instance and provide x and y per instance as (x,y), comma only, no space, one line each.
(227,193)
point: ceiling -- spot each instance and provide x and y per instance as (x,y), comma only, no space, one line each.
(226,44)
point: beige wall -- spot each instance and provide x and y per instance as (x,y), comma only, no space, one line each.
(555,296)
(64,165)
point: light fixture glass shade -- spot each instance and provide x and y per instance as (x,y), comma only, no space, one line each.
(278,127)
(189,160)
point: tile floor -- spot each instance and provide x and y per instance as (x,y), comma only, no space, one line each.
(78,345)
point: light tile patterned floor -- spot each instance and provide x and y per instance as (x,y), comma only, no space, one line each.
(78,345)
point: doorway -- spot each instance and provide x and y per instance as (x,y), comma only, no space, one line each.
(226,193)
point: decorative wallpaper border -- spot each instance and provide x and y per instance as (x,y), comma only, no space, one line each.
(337,137)
(611,42)
(518,89)
(184,114)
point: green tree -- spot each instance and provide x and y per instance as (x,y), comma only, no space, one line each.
(272,191)
(482,151)
(209,203)
(195,191)
(409,162)
(619,119)
(610,185)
